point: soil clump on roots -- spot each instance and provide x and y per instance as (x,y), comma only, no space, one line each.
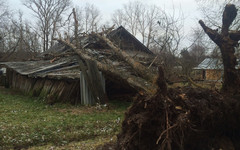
(184,119)
(181,119)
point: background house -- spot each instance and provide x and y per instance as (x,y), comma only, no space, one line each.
(210,69)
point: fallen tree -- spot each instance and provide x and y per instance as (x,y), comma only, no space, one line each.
(136,82)
(180,119)
(143,71)
(188,118)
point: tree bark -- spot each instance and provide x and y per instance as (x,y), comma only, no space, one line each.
(227,41)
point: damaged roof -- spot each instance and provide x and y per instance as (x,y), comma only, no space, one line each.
(121,35)
(61,62)
(210,63)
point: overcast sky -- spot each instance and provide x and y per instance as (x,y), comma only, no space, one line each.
(107,7)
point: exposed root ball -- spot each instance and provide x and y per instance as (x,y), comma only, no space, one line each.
(185,118)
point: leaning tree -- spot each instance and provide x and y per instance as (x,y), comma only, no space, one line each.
(227,41)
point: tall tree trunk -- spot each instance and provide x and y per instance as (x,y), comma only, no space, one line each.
(231,76)
(47,39)
(44,41)
(53,33)
(227,41)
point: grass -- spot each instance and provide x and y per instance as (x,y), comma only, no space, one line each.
(27,122)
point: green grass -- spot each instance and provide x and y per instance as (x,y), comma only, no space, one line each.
(28,122)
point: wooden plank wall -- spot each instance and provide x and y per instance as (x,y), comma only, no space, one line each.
(214,75)
(52,91)
(49,90)
(2,80)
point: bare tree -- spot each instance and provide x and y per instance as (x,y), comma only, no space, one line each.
(4,12)
(198,53)
(118,18)
(4,19)
(131,13)
(186,62)
(48,13)
(153,15)
(91,18)
(200,45)
(21,36)
(212,10)
(227,41)
(138,18)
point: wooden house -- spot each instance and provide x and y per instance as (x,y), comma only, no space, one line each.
(210,69)
(60,75)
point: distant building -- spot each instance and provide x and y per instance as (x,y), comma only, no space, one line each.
(210,69)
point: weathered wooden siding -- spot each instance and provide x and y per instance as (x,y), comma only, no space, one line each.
(2,80)
(213,75)
(50,90)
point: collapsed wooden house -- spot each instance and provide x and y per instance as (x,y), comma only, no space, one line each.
(60,75)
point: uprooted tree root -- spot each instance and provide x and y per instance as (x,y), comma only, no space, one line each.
(185,118)
(180,119)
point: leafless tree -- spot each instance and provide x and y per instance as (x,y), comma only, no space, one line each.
(138,18)
(118,18)
(20,36)
(48,14)
(4,20)
(211,11)
(227,41)
(186,61)
(131,11)
(89,17)
(4,12)
(198,53)
(199,46)
(19,41)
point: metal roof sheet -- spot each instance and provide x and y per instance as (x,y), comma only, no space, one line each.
(210,63)
(213,64)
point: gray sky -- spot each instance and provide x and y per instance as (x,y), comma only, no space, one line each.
(107,7)
(189,7)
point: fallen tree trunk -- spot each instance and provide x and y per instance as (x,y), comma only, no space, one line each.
(135,82)
(143,71)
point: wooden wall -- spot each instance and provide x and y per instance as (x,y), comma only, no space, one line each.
(2,80)
(50,90)
(213,75)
